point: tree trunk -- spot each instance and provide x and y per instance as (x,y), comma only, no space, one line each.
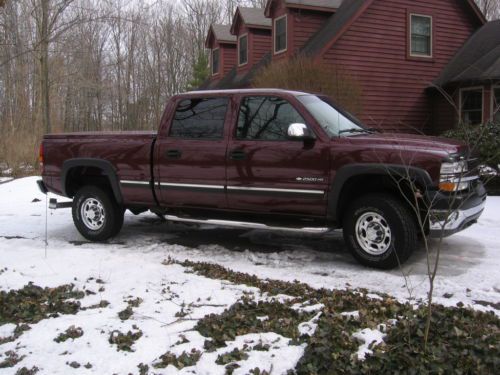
(44,66)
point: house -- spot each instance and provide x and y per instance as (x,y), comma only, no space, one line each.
(471,80)
(251,31)
(401,53)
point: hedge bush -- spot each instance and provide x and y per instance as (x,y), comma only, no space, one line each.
(483,140)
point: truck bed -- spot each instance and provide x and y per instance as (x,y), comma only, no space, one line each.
(129,154)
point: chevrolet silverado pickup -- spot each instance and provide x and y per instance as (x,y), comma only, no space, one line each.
(269,159)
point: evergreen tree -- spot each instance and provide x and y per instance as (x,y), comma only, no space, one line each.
(201,72)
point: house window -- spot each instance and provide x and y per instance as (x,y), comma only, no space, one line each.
(280,37)
(243,50)
(215,61)
(496,104)
(471,106)
(421,35)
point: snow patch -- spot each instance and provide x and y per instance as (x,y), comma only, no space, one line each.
(369,338)
(308,328)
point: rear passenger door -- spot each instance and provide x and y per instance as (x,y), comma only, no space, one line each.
(191,156)
(268,172)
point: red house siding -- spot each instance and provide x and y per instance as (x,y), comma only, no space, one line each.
(374,50)
(260,43)
(228,57)
(302,25)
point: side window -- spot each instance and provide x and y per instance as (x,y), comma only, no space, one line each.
(200,118)
(266,118)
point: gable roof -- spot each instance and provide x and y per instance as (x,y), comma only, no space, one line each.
(477,60)
(349,11)
(252,18)
(322,5)
(221,33)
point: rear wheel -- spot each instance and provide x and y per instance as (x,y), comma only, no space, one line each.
(96,214)
(380,231)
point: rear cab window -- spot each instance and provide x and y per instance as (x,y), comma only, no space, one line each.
(200,118)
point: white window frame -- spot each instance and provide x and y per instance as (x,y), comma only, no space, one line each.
(248,55)
(286,34)
(475,88)
(212,61)
(492,95)
(410,39)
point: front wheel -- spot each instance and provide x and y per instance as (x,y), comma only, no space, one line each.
(96,214)
(380,231)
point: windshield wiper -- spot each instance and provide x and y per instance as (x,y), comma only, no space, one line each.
(355,130)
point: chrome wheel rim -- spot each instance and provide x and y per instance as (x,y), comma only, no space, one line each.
(92,214)
(373,233)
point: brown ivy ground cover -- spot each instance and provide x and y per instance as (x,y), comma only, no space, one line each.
(462,341)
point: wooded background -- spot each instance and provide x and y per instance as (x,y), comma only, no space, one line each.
(78,65)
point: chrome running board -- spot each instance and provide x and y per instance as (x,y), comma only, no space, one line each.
(245,225)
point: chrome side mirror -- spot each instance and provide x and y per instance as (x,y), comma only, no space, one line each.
(300,132)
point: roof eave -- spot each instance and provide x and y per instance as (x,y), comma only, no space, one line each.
(264,27)
(477,11)
(237,15)
(310,7)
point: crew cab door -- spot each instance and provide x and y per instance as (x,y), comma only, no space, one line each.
(266,170)
(190,154)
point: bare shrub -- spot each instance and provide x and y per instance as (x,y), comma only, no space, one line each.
(19,153)
(305,74)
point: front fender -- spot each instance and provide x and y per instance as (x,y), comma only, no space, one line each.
(417,175)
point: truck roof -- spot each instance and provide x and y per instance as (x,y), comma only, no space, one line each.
(245,91)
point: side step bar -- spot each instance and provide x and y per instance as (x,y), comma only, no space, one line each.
(54,205)
(246,225)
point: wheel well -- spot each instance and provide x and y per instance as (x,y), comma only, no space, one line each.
(77,177)
(402,190)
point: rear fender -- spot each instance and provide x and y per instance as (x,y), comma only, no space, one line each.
(108,170)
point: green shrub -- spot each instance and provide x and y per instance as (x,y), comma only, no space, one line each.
(484,140)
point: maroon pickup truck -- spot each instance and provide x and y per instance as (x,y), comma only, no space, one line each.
(269,159)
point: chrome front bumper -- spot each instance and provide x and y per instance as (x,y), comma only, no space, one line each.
(444,223)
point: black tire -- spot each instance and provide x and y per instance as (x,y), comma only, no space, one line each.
(108,220)
(387,229)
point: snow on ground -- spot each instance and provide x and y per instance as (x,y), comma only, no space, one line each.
(131,266)
(5,179)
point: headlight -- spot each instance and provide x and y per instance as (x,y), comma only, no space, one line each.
(454,168)
(452,176)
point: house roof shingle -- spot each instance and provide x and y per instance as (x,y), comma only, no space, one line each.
(223,33)
(233,80)
(326,5)
(477,60)
(254,17)
(333,4)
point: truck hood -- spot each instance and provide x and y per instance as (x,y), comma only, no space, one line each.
(437,145)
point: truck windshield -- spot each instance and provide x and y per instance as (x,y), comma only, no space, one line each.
(331,120)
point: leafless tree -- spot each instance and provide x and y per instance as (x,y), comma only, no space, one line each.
(490,8)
